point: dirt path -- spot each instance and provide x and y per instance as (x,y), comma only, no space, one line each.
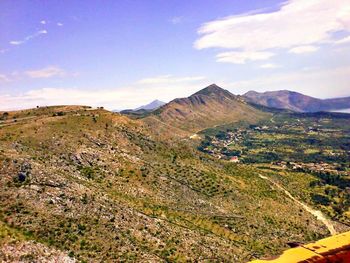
(15,121)
(316,213)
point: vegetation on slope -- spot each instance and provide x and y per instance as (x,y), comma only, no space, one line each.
(102,187)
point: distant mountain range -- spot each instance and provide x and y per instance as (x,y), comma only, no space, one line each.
(282,99)
(214,106)
(285,99)
(144,110)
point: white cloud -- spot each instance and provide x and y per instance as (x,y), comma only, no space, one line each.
(140,93)
(15,42)
(59,24)
(303,49)
(269,66)
(36,34)
(47,72)
(242,57)
(344,40)
(4,50)
(43,22)
(295,23)
(4,78)
(176,20)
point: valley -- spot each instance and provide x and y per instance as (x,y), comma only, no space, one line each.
(316,144)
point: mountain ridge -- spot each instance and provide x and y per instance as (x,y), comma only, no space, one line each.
(206,108)
(286,99)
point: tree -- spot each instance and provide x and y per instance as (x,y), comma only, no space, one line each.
(4,116)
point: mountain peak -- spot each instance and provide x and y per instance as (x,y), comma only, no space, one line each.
(212,89)
(157,101)
(251,93)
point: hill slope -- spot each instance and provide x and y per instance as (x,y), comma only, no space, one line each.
(99,187)
(295,101)
(206,108)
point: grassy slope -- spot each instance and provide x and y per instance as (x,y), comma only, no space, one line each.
(101,187)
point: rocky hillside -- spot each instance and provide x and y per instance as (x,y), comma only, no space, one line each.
(95,186)
(206,108)
(295,101)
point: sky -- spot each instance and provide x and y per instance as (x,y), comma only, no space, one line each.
(125,53)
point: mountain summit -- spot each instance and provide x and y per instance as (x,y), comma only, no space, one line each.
(213,89)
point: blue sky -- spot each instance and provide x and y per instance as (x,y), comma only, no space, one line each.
(125,53)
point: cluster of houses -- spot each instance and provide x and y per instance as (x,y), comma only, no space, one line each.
(322,167)
(217,144)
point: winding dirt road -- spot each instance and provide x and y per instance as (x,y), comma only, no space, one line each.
(318,214)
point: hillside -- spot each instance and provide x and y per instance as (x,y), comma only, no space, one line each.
(95,186)
(208,107)
(295,101)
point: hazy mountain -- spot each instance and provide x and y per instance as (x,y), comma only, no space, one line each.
(151,106)
(206,108)
(142,109)
(285,99)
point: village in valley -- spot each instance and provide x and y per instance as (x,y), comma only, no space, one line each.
(293,144)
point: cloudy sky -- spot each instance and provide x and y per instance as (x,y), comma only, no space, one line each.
(125,53)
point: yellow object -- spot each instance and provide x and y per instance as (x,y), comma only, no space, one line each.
(335,249)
